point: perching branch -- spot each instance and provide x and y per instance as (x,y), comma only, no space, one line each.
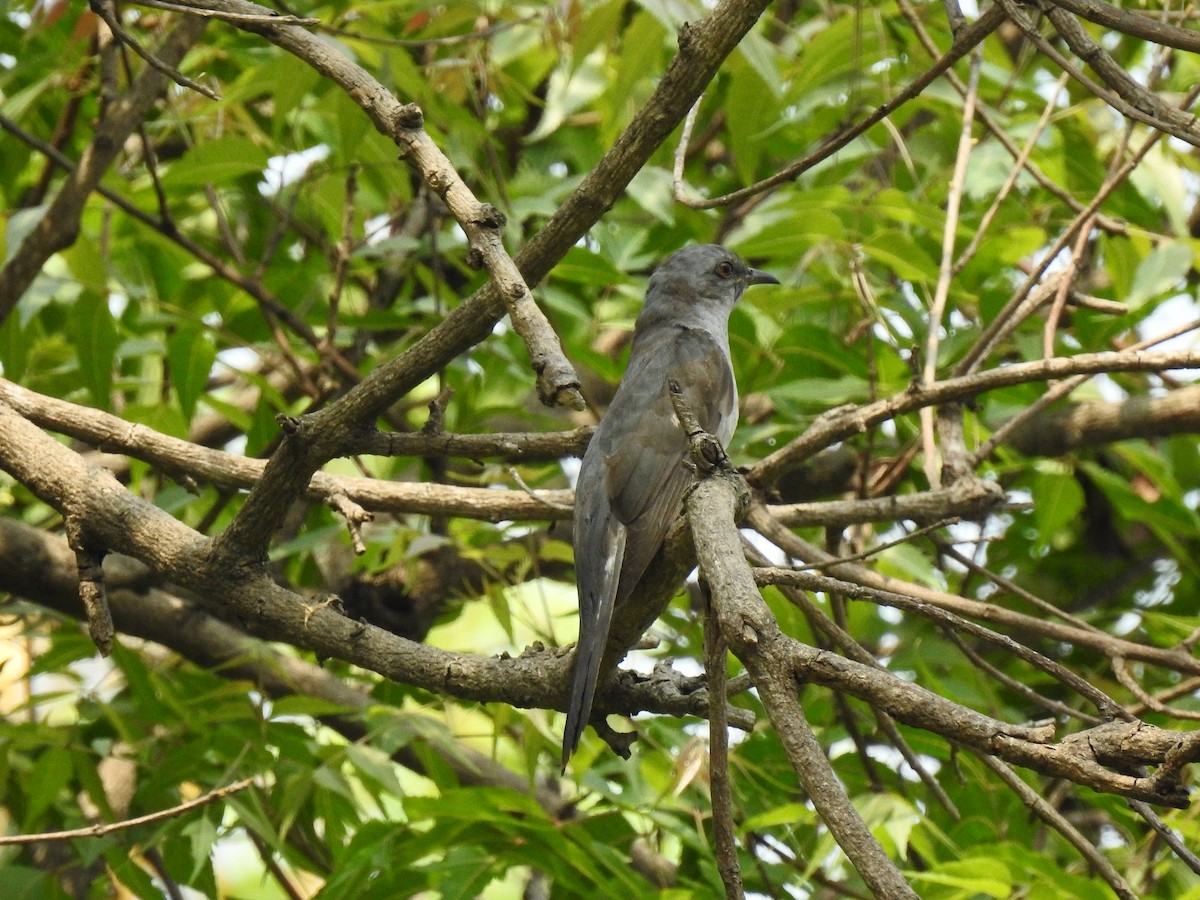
(755,639)
(124,523)
(102,828)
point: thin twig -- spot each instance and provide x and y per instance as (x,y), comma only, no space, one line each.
(106,10)
(1016,685)
(1146,811)
(102,828)
(845,642)
(1121,670)
(355,517)
(449,40)
(270,305)
(1011,587)
(964,42)
(1175,659)
(1107,707)
(847,422)
(997,129)
(880,548)
(1062,389)
(1010,182)
(685,138)
(1014,311)
(232,17)
(342,255)
(1056,820)
(1178,122)
(1172,124)
(942,290)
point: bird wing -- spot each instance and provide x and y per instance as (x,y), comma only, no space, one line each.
(630,488)
(644,460)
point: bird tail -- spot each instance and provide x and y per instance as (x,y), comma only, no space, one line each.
(588,653)
(599,557)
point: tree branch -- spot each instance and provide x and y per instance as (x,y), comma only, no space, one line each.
(1080,425)
(843,423)
(45,577)
(754,637)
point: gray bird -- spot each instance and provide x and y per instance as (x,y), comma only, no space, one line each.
(633,478)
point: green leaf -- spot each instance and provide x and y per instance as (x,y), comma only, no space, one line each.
(1057,501)
(1162,271)
(653,190)
(201,835)
(1121,262)
(94,335)
(375,768)
(51,774)
(25,883)
(14,348)
(750,114)
(19,226)
(899,253)
(791,814)
(216,162)
(979,877)
(190,357)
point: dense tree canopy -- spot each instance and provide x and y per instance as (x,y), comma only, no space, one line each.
(307,313)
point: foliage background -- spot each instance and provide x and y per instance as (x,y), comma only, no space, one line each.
(281,226)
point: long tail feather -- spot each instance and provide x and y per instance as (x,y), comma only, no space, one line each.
(588,653)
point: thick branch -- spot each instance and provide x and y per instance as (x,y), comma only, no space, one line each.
(968,498)
(754,637)
(1059,431)
(124,523)
(1133,23)
(45,577)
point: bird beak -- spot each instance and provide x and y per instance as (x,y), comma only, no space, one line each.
(758,276)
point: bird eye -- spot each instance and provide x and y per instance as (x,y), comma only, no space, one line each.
(725,269)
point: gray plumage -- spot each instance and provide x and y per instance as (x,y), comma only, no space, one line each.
(633,477)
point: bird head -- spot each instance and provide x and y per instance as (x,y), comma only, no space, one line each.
(706,275)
